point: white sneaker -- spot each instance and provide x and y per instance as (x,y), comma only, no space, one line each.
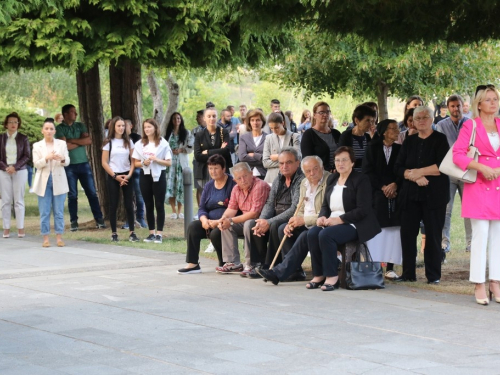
(181,216)
(31,190)
(173,216)
(197,218)
(210,248)
(391,275)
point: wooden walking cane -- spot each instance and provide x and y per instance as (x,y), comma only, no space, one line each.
(285,237)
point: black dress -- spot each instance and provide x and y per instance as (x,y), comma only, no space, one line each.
(382,173)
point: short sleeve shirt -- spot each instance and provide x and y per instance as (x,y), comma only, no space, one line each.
(79,154)
(254,200)
(119,159)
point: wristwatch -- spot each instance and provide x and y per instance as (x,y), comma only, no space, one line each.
(231,221)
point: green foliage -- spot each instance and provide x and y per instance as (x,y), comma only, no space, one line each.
(394,21)
(46,89)
(31,123)
(204,91)
(350,65)
(80,33)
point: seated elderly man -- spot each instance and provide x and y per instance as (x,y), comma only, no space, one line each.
(248,197)
(280,207)
(295,248)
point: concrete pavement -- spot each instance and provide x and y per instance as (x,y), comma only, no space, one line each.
(93,309)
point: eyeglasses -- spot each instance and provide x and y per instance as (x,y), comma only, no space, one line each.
(483,87)
(342,161)
(323,113)
(420,119)
(12,122)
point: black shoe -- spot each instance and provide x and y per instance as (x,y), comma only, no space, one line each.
(188,271)
(100,223)
(330,287)
(253,274)
(435,282)
(74,226)
(268,275)
(133,237)
(158,238)
(402,279)
(114,237)
(150,238)
(296,276)
(125,226)
(443,257)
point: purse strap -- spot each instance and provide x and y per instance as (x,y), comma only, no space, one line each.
(368,256)
(473,134)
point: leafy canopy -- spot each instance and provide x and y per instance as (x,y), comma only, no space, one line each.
(348,64)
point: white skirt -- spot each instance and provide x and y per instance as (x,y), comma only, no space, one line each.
(386,246)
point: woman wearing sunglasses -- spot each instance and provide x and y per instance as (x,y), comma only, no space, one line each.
(213,203)
(481,200)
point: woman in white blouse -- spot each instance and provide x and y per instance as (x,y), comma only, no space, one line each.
(50,156)
(153,154)
(116,157)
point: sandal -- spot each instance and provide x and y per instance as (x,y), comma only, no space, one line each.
(314,285)
(330,287)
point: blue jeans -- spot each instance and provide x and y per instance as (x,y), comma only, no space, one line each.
(30,175)
(139,201)
(82,172)
(50,202)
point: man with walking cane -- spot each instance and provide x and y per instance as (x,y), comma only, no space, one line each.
(279,208)
(293,234)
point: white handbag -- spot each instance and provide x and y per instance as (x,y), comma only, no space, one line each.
(451,169)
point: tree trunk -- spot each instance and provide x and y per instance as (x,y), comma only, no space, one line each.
(173,101)
(89,98)
(382,93)
(125,90)
(126,101)
(157,97)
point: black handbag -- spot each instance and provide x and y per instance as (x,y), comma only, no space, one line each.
(366,274)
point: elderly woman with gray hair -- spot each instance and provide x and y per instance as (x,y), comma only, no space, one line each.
(424,194)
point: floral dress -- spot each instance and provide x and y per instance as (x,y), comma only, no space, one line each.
(175,183)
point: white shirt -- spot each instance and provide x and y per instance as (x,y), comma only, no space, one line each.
(387,153)
(281,139)
(162,151)
(11,149)
(119,158)
(309,208)
(336,202)
(494,140)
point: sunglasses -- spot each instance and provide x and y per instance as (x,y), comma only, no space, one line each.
(483,87)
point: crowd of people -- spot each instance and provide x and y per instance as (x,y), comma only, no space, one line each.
(301,189)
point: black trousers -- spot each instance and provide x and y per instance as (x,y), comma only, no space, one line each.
(267,244)
(324,243)
(196,233)
(294,257)
(290,241)
(433,218)
(153,194)
(114,195)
